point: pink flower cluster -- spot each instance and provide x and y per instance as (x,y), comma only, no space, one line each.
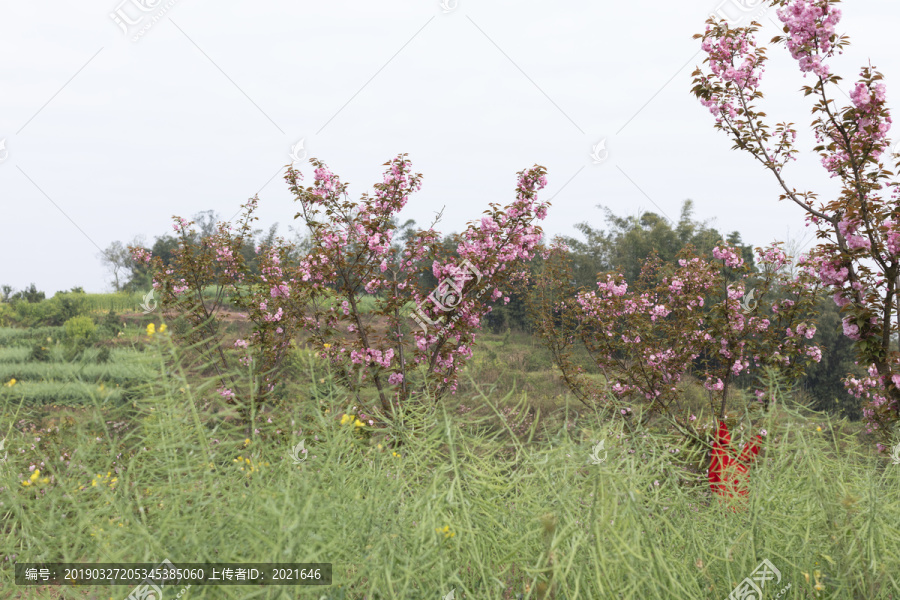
(833,273)
(873,388)
(854,242)
(892,237)
(866,137)
(371,355)
(141,255)
(732,59)
(646,340)
(734,62)
(729,255)
(810,25)
(354,253)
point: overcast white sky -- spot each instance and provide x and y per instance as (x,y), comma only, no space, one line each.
(106,137)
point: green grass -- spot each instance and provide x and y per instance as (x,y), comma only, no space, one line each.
(57,354)
(64,393)
(14,336)
(14,354)
(504,466)
(110,373)
(118,302)
(522,500)
(64,380)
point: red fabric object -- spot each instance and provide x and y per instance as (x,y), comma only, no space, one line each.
(725,471)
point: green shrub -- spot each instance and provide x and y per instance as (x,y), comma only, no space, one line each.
(7,314)
(111,324)
(39,353)
(53,312)
(537,359)
(69,304)
(103,355)
(80,328)
(74,351)
(30,294)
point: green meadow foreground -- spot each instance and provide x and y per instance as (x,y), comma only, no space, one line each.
(502,492)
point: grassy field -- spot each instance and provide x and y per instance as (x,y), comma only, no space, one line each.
(491,494)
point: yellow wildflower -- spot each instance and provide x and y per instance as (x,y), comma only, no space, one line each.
(358,423)
(346,419)
(247,442)
(151,329)
(818,429)
(11,382)
(36,474)
(162,328)
(327,346)
(446,531)
(26,483)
